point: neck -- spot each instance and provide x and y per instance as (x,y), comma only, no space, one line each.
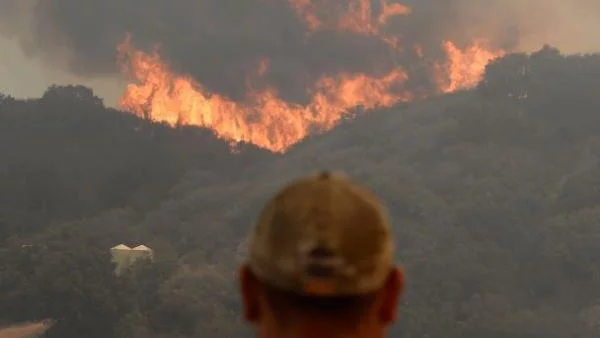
(325,329)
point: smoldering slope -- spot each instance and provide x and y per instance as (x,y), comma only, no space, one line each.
(221,42)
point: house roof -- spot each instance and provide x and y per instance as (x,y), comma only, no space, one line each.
(120,247)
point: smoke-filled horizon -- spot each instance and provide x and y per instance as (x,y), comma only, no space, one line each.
(222,43)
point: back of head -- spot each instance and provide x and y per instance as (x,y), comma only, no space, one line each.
(321,246)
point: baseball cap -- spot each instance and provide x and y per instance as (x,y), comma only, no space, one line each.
(322,235)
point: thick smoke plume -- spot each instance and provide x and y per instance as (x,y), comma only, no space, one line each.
(221,43)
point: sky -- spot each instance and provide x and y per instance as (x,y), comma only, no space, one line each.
(25,76)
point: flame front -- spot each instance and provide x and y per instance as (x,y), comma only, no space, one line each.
(263,118)
(464,68)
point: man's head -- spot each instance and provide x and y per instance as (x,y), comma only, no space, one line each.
(321,255)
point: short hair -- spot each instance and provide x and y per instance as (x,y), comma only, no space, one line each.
(345,308)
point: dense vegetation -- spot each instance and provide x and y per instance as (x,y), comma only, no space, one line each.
(494,195)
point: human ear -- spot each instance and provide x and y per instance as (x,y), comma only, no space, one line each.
(249,290)
(390,296)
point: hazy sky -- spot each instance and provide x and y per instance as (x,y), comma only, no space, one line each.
(24,76)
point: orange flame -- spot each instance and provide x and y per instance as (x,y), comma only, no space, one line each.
(464,68)
(306,9)
(356,16)
(391,10)
(263,119)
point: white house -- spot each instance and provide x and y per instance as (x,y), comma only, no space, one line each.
(125,256)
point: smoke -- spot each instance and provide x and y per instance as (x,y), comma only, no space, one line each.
(222,42)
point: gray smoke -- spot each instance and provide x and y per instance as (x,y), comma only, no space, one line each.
(220,42)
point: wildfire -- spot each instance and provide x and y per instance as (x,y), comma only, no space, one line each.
(464,68)
(356,16)
(263,118)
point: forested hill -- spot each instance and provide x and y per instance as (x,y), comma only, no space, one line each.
(66,156)
(493,192)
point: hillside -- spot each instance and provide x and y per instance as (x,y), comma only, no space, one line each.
(493,193)
(66,156)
